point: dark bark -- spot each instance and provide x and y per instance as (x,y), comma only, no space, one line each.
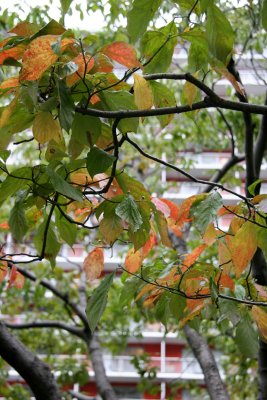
(205,357)
(262,371)
(34,371)
(103,386)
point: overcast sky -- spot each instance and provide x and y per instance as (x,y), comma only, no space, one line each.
(92,22)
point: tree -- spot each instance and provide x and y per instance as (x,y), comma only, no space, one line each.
(67,99)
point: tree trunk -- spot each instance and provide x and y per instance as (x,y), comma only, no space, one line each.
(35,372)
(204,355)
(103,386)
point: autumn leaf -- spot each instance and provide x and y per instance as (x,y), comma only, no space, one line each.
(16,278)
(133,260)
(174,208)
(9,83)
(192,257)
(25,29)
(82,62)
(184,210)
(102,64)
(243,246)
(123,53)
(189,93)
(161,206)
(14,52)
(39,56)
(93,264)
(143,96)
(210,235)
(260,316)
(230,77)
(45,128)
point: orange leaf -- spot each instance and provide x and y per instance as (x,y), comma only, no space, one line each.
(145,289)
(192,257)
(148,246)
(10,83)
(225,281)
(15,52)
(39,56)
(133,260)
(184,210)
(16,278)
(4,225)
(3,271)
(260,316)
(150,300)
(230,77)
(93,264)
(194,307)
(95,99)
(102,64)
(174,208)
(123,53)
(80,62)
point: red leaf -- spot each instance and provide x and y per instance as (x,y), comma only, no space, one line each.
(161,206)
(16,278)
(123,53)
(93,264)
(102,63)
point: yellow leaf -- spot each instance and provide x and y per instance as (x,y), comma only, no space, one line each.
(243,246)
(260,316)
(143,96)
(45,128)
(189,93)
(210,235)
(93,264)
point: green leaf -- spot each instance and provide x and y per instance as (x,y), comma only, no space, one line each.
(141,235)
(264,14)
(132,186)
(98,301)
(187,5)
(177,305)
(18,222)
(220,34)
(253,186)
(158,46)
(98,161)
(139,17)
(198,54)
(52,28)
(118,101)
(129,290)
(206,210)
(110,225)
(66,229)
(163,97)
(62,186)
(128,211)
(246,338)
(66,110)
(50,104)
(85,132)
(214,292)
(65,5)
(20,179)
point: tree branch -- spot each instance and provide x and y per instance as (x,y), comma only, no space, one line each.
(35,372)
(48,324)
